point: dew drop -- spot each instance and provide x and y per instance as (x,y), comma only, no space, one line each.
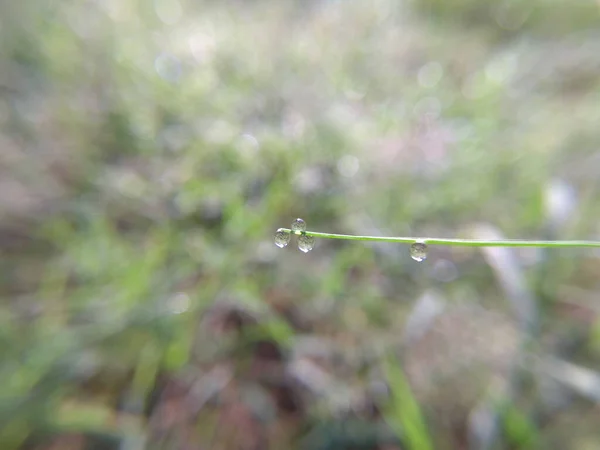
(418,251)
(282,238)
(306,243)
(298,225)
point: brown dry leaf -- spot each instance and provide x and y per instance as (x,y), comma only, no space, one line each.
(238,429)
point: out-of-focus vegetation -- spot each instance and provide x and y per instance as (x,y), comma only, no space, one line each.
(148,151)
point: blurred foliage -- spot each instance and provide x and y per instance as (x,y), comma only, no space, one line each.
(150,149)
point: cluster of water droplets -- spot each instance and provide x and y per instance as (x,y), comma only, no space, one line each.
(305,242)
(418,251)
(283,236)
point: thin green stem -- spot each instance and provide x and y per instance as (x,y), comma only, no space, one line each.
(452,242)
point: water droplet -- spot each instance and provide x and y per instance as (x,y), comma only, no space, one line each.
(306,243)
(418,251)
(298,225)
(282,238)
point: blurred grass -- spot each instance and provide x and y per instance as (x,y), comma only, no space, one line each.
(404,413)
(149,150)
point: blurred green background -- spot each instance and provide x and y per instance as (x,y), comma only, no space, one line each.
(150,149)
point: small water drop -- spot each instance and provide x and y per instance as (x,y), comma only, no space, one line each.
(282,238)
(306,243)
(298,225)
(418,251)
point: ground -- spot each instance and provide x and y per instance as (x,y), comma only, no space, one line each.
(149,151)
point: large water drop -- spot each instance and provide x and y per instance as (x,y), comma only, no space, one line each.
(418,251)
(282,238)
(306,243)
(298,225)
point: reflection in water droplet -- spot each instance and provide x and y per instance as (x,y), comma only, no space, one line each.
(298,225)
(282,238)
(306,243)
(418,251)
